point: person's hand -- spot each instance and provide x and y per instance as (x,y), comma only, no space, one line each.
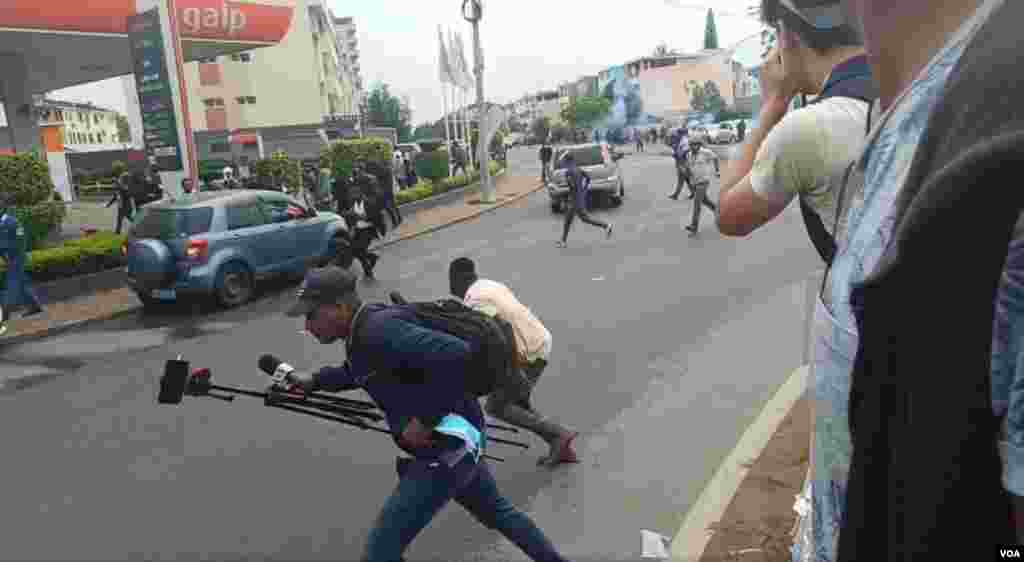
(299,380)
(778,82)
(417,435)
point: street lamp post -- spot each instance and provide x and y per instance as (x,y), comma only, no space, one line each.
(472,11)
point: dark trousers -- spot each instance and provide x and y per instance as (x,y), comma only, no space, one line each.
(361,250)
(579,208)
(510,402)
(544,171)
(700,200)
(682,176)
(425,487)
(459,166)
(393,212)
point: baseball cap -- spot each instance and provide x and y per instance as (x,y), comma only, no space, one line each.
(326,285)
(819,14)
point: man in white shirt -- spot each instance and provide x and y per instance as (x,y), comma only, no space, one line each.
(702,162)
(511,402)
(801,154)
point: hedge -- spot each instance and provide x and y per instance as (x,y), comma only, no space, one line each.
(269,169)
(339,157)
(426,188)
(27,178)
(432,165)
(90,254)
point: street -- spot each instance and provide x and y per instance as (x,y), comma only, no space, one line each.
(665,348)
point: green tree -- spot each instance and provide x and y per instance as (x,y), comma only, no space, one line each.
(706,98)
(541,128)
(585,111)
(124,129)
(609,91)
(383,109)
(710,32)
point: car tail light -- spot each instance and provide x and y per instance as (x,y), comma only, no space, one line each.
(197,250)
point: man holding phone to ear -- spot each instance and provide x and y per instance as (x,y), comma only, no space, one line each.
(802,154)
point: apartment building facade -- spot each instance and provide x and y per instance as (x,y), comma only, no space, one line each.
(83,127)
(299,81)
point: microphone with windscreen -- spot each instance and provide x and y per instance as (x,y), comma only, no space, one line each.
(277,369)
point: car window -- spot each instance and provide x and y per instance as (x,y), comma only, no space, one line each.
(283,209)
(245,215)
(168,224)
(585,156)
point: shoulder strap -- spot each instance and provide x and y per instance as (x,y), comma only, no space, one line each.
(861,87)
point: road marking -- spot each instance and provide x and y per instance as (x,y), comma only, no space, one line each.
(693,536)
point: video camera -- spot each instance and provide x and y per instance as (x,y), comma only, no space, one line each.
(180,380)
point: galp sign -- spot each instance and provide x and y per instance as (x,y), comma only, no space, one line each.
(225,20)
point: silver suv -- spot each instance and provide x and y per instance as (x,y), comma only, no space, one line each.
(600,162)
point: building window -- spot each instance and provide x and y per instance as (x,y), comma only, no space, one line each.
(242,57)
(214,102)
(211,60)
(242,100)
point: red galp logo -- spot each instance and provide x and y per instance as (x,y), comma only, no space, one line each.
(225,19)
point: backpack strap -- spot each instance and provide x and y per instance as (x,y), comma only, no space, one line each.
(857,85)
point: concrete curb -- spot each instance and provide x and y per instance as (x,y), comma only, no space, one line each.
(71,325)
(67,289)
(64,327)
(693,536)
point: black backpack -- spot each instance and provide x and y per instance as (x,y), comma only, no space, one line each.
(492,339)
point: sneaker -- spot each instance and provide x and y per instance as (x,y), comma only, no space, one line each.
(691,230)
(3,328)
(674,197)
(32,311)
(560,244)
(608,231)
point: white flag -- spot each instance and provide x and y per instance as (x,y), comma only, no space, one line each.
(444,66)
(470,83)
(459,71)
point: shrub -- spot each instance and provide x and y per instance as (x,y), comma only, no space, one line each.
(91,254)
(432,165)
(269,169)
(340,156)
(27,178)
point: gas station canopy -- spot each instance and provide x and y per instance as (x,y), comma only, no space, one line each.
(87,40)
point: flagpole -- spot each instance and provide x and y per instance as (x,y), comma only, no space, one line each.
(443,73)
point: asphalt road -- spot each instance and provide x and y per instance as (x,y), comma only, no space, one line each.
(665,348)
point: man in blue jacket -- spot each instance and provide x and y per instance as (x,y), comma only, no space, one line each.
(417,376)
(18,289)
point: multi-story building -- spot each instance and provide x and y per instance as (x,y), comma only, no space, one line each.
(246,105)
(587,86)
(348,49)
(84,127)
(667,83)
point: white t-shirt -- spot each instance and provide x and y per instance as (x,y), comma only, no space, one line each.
(495,299)
(807,148)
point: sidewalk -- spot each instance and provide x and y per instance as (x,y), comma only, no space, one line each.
(758,523)
(63,315)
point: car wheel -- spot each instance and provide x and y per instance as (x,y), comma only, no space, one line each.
(234,285)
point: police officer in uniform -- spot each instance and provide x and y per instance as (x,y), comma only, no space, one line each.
(18,289)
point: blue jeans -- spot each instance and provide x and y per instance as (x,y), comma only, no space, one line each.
(427,486)
(18,288)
